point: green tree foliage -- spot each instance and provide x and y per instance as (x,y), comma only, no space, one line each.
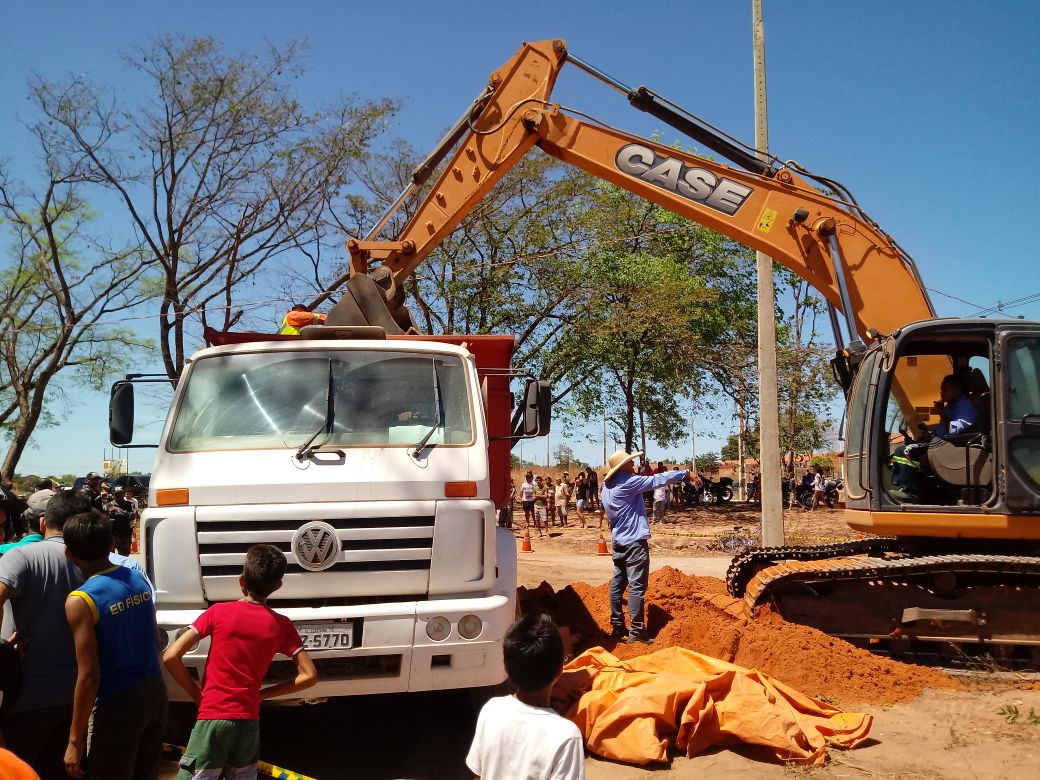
(805,387)
(505,269)
(218,172)
(730,449)
(708,463)
(823,461)
(610,297)
(564,458)
(63,287)
(522,463)
(661,294)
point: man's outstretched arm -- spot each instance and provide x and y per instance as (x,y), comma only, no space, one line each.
(639,484)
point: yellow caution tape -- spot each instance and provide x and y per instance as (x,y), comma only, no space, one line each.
(268,769)
(688,535)
(799,537)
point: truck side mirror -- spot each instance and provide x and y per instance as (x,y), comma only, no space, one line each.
(537,408)
(121,414)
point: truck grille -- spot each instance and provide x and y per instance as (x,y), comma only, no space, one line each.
(397,550)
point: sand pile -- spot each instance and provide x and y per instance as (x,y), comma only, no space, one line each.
(696,612)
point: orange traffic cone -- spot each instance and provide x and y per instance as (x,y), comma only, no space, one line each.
(134,547)
(526,546)
(601,548)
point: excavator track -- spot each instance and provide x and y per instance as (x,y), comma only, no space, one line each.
(866,568)
(950,607)
(745,566)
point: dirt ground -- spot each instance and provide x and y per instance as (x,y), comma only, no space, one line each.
(694,531)
(938,736)
(988,727)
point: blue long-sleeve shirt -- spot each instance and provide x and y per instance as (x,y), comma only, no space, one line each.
(961,413)
(622,498)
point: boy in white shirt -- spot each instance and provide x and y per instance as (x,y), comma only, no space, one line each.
(660,503)
(519,737)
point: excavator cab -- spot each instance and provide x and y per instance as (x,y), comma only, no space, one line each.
(975,451)
(942,471)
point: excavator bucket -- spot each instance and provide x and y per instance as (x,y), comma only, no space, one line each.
(365,303)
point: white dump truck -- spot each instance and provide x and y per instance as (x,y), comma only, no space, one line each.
(377,465)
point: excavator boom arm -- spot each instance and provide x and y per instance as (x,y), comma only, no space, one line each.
(852,263)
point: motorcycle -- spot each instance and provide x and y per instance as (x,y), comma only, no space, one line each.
(717,492)
(804,496)
(691,494)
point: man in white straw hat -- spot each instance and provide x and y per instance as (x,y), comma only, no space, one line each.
(622,496)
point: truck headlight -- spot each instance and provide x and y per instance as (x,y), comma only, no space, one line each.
(470,626)
(438,628)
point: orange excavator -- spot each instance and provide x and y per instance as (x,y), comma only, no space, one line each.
(948,490)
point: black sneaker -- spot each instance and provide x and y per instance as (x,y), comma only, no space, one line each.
(635,638)
(903,496)
(619,633)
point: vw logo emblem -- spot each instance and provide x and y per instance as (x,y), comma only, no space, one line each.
(315,546)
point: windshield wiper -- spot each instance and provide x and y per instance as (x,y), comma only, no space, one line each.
(306,450)
(438,419)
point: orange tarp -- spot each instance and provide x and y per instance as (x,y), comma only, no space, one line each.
(631,710)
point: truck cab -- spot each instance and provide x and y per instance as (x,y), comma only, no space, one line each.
(375,465)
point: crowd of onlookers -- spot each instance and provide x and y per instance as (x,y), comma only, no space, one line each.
(547,501)
(81,648)
(81,687)
(72,613)
(19,516)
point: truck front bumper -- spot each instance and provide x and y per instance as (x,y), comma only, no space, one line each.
(392,651)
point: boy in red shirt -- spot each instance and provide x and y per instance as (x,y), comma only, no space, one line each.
(246,635)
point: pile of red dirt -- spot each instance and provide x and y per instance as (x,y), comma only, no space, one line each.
(696,613)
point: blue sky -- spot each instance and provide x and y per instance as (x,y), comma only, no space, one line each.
(926,111)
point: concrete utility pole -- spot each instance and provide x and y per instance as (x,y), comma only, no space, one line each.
(741,433)
(768,411)
(693,436)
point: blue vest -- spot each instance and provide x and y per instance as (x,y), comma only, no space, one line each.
(124,624)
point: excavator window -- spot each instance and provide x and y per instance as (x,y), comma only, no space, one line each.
(857,448)
(938,424)
(1023,371)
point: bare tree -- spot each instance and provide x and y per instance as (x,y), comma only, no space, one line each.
(62,290)
(220,171)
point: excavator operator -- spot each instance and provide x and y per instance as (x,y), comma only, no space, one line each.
(957,415)
(958,411)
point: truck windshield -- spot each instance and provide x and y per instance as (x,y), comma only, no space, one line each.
(263,400)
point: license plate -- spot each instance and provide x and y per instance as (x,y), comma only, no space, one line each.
(327,636)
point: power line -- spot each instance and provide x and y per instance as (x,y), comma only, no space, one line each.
(952,297)
(192,310)
(1001,306)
